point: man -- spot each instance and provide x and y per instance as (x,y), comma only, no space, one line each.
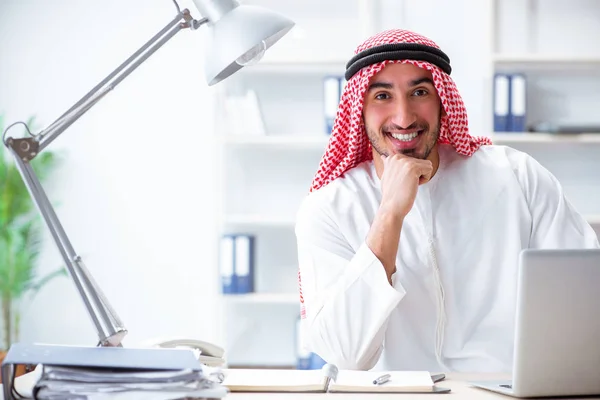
(408,243)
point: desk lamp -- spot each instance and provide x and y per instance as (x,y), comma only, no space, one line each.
(238,35)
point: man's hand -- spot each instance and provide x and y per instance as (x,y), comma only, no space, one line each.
(400,181)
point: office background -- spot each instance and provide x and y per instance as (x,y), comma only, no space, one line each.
(159,170)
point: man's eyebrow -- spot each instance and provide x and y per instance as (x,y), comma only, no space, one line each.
(380,85)
(389,86)
(419,81)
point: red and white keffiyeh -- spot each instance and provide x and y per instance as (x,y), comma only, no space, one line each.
(349,144)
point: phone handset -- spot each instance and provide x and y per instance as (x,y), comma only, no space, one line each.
(207,353)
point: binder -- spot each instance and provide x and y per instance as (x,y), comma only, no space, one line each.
(502,99)
(243,274)
(331,99)
(518,103)
(227,264)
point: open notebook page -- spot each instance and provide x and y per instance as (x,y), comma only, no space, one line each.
(274,380)
(400,381)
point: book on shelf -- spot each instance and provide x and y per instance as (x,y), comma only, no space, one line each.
(328,379)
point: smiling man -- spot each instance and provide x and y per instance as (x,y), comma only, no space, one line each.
(409,239)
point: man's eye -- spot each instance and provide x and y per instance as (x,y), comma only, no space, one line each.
(382,96)
(420,92)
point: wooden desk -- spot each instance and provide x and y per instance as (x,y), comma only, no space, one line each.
(457,382)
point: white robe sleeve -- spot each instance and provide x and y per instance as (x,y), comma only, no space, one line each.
(346,293)
(556,224)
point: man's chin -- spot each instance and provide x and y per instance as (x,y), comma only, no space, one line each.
(412,153)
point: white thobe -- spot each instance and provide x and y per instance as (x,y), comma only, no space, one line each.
(452,302)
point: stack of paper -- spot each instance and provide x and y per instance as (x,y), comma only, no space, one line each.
(99,383)
(76,372)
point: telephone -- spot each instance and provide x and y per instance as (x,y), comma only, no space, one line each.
(207,353)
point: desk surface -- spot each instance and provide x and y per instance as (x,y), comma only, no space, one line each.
(457,382)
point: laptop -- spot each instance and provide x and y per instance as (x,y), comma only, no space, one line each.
(557,332)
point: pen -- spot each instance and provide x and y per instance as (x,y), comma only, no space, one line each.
(382,379)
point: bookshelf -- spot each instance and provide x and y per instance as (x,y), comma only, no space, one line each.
(263,177)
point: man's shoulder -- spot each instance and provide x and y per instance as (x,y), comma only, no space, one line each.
(501,156)
(346,189)
(524,167)
(355,180)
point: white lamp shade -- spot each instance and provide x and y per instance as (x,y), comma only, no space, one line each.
(237,32)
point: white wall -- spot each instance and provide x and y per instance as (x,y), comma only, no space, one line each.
(135,193)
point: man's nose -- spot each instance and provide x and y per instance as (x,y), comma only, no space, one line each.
(404,115)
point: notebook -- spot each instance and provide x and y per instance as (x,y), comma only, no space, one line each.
(328,379)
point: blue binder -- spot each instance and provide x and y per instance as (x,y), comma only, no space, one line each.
(501,104)
(244,264)
(518,103)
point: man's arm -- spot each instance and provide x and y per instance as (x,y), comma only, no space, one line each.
(345,293)
(400,180)
(348,295)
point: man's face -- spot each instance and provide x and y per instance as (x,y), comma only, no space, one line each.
(402,111)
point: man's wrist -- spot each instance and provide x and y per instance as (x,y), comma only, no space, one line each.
(390,213)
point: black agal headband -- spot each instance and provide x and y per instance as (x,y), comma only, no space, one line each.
(398,51)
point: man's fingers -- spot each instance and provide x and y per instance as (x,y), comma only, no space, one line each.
(425,171)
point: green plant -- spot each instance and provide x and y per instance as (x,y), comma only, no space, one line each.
(20,239)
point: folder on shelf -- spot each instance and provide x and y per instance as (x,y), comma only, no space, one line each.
(243,273)
(501,102)
(518,103)
(328,379)
(227,264)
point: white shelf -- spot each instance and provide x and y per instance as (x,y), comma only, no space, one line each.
(517,137)
(546,58)
(264,298)
(297,67)
(546,62)
(260,220)
(274,221)
(316,142)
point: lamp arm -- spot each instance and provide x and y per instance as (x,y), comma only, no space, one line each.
(181,21)
(108,325)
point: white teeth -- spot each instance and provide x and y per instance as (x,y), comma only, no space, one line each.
(405,137)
